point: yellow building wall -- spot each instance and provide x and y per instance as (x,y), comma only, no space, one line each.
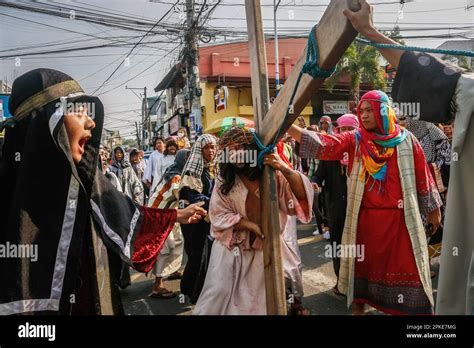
(239,103)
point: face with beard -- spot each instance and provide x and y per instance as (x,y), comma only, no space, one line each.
(243,168)
(238,154)
(229,171)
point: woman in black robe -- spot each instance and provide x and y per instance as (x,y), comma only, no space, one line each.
(55,198)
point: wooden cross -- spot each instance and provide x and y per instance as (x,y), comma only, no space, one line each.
(334,35)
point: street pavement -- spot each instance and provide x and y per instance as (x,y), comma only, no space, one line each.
(318,281)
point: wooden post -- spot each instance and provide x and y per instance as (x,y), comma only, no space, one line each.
(334,35)
(270,221)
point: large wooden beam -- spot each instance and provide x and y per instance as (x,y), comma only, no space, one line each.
(334,35)
(270,221)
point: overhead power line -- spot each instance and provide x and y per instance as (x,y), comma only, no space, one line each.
(143,37)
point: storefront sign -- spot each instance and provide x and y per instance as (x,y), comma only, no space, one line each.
(335,107)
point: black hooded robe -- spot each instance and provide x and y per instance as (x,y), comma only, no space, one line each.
(82,226)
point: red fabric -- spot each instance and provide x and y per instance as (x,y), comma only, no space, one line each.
(336,147)
(432,170)
(425,182)
(155,227)
(389,262)
(389,265)
(281,152)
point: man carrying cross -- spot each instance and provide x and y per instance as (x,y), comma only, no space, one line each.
(443,92)
(235,278)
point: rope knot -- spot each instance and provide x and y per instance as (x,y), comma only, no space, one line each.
(263,150)
(311,66)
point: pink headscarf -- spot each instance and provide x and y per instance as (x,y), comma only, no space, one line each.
(348,120)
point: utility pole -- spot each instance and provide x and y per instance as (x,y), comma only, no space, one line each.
(192,65)
(145,120)
(334,35)
(145,123)
(138,136)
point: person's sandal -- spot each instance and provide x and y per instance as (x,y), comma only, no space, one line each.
(163,294)
(298,309)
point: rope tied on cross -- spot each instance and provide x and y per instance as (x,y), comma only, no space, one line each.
(310,67)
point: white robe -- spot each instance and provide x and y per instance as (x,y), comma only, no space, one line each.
(171,255)
(159,169)
(153,160)
(292,266)
(235,283)
(170,258)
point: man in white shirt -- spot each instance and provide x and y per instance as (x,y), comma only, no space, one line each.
(153,161)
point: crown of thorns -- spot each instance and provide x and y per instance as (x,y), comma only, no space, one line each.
(235,137)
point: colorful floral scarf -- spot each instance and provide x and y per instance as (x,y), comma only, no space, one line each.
(378,146)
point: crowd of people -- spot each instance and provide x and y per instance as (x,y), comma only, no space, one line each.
(230,280)
(224,269)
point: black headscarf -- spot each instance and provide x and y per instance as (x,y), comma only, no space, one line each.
(38,177)
(47,200)
(177,167)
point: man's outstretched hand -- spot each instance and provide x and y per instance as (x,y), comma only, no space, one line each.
(362,20)
(191,214)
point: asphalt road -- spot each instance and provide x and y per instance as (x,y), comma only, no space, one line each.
(318,281)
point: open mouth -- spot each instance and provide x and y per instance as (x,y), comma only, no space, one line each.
(82,143)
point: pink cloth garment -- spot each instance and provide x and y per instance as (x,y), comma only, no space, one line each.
(234,282)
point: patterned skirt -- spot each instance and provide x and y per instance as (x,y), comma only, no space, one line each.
(386,276)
